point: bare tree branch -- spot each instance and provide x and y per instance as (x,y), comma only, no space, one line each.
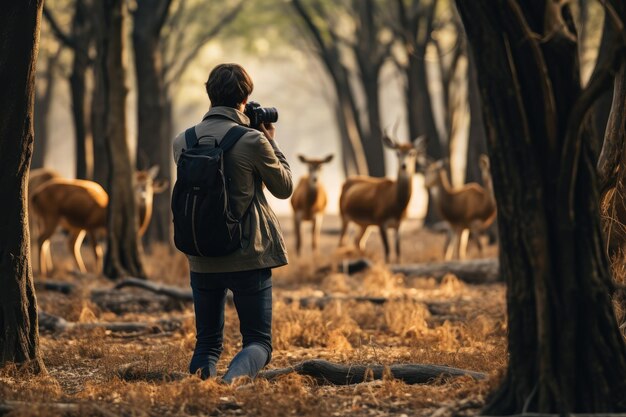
(176,70)
(63,37)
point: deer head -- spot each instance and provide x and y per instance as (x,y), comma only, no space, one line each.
(431,175)
(314,166)
(409,155)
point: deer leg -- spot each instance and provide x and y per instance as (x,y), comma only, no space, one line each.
(450,245)
(344,229)
(316,230)
(361,238)
(398,244)
(74,243)
(97,251)
(463,243)
(43,242)
(475,236)
(297,221)
(383,236)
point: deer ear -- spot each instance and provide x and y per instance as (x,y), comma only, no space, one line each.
(420,143)
(328,158)
(153,171)
(159,186)
(388,142)
(302,159)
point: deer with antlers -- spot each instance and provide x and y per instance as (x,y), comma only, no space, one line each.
(81,207)
(309,201)
(468,208)
(381,202)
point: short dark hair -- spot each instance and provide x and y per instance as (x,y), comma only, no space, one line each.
(228,85)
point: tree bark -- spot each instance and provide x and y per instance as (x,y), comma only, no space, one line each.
(153,136)
(122,255)
(565,351)
(602,106)
(19,31)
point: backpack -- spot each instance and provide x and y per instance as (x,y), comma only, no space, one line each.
(204,224)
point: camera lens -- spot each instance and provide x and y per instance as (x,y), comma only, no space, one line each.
(268,115)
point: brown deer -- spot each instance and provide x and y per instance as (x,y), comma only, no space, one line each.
(309,201)
(381,202)
(470,207)
(81,207)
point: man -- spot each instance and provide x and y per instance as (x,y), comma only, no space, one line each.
(253,162)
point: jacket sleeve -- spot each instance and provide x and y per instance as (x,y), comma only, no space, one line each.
(272,167)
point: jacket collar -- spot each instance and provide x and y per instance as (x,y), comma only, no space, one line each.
(229,113)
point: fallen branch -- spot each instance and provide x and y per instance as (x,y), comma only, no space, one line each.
(58,324)
(478,271)
(325,372)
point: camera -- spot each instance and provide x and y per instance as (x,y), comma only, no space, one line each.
(259,115)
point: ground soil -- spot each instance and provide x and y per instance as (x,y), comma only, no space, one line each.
(466,328)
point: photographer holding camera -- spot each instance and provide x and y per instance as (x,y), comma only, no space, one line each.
(224,224)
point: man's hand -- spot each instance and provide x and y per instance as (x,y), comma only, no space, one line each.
(268,130)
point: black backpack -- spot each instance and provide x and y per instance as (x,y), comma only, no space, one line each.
(203,222)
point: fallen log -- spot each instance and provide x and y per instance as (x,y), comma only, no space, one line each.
(123,302)
(325,372)
(177,293)
(65,409)
(475,271)
(58,286)
(55,324)
(137,371)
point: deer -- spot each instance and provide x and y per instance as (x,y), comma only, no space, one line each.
(381,202)
(81,207)
(309,201)
(467,208)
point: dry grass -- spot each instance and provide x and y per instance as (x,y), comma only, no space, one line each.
(449,323)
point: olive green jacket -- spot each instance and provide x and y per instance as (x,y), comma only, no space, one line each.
(252,163)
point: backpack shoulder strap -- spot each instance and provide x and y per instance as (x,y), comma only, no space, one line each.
(191,139)
(231,137)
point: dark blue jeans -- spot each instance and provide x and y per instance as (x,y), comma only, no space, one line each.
(252,294)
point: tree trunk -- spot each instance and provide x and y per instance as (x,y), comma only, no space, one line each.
(82,35)
(122,256)
(19,31)
(565,351)
(372,141)
(477,144)
(98,124)
(416,29)
(42,111)
(153,140)
(602,106)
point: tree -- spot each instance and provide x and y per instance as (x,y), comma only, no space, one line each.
(153,136)
(364,49)
(413,26)
(79,41)
(43,101)
(19,31)
(122,255)
(167,36)
(566,353)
